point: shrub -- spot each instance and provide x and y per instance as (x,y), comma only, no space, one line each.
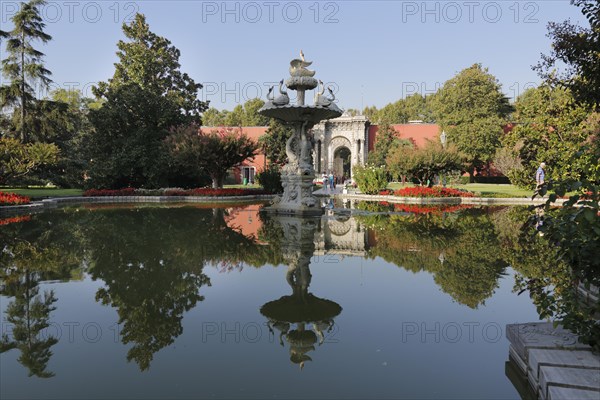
(270,179)
(12,199)
(370,179)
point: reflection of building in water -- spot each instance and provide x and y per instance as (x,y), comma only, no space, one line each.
(343,235)
(244,220)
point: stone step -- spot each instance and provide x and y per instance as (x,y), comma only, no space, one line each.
(562,358)
(543,335)
(561,393)
(570,378)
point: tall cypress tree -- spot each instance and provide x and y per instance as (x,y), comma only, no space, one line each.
(24,65)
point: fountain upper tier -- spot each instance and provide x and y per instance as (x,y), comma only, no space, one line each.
(301,79)
(299,113)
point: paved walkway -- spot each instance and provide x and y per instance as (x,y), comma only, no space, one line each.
(327,191)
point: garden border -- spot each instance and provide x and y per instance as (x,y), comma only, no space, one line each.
(59,201)
(484,201)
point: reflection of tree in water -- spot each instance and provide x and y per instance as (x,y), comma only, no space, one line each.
(461,250)
(32,254)
(152,261)
(300,319)
(29,313)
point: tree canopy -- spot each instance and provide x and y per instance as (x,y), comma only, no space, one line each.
(213,152)
(147,97)
(242,115)
(472,109)
(23,65)
(578,50)
(549,128)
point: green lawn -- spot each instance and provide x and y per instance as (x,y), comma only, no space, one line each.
(240,186)
(42,192)
(484,189)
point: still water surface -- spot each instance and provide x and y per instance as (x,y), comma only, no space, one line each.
(189,302)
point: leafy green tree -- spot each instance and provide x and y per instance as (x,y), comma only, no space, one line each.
(235,117)
(387,138)
(18,160)
(212,152)
(24,64)
(213,117)
(577,48)
(126,149)
(392,113)
(418,107)
(68,127)
(242,115)
(549,129)
(251,115)
(147,97)
(472,109)
(371,113)
(413,107)
(152,62)
(274,140)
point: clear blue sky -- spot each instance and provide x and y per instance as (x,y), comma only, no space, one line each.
(374,52)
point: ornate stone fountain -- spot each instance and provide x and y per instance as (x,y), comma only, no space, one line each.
(298,174)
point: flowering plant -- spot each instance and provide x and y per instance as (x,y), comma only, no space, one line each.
(430,209)
(12,199)
(173,192)
(436,191)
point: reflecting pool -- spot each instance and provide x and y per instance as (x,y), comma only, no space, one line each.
(194,302)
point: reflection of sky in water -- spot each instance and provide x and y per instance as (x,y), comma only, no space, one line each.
(398,335)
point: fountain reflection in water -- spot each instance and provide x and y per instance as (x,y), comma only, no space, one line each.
(301,319)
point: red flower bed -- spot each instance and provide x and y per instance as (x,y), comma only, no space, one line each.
(429,209)
(436,191)
(385,192)
(14,220)
(214,192)
(11,199)
(176,192)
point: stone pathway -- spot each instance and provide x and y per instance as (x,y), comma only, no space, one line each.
(328,192)
(556,365)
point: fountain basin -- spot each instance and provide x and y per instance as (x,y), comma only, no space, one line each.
(295,113)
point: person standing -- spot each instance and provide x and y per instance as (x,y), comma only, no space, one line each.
(540,181)
(540,175)
(330,180)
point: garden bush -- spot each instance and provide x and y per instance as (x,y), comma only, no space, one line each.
(270,179)
(370,179)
